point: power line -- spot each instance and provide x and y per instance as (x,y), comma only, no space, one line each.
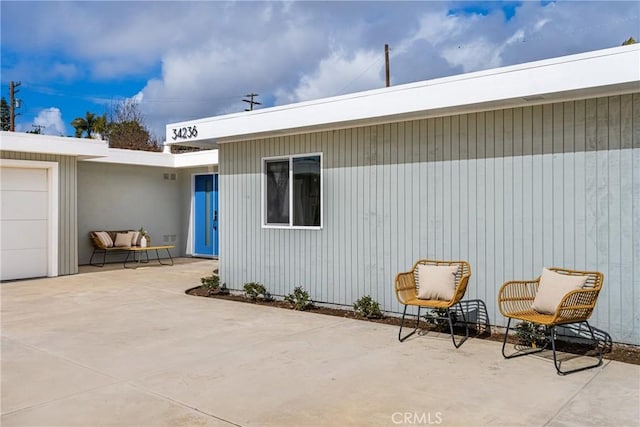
(251,101)
(104,98)
(375,62)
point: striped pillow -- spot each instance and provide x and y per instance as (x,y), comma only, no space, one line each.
(104,239)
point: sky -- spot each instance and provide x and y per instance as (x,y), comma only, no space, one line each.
(187,60)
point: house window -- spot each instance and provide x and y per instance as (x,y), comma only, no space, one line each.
(292,191)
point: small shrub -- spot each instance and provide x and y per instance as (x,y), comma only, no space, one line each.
(253,290)
(211,283)
(531,335)
(299,299)
(367,307)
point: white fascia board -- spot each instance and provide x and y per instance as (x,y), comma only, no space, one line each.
(155,159)
(196,159)
(45,144)
(93,150)
(598,73)
(136,157)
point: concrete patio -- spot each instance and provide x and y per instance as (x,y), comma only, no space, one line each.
(130,348)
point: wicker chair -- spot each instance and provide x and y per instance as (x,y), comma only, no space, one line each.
(407,293)
(515,302)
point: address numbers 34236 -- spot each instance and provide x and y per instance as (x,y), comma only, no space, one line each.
(187,132)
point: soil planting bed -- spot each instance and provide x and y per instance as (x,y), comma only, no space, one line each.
(619,352)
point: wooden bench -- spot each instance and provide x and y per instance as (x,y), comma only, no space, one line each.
(134,250)
(103,243)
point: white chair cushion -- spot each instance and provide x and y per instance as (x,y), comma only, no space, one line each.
(436,282)
(552,288)
(123,240)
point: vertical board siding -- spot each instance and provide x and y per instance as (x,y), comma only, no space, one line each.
(511,191)
(67,210)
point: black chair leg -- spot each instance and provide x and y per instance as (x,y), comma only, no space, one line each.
(451,327)
(570,371)
(104,256)
(404,313)
(518,353)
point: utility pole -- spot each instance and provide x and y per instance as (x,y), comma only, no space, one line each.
(251,101)
(386,64)
(12,104)
(37,129)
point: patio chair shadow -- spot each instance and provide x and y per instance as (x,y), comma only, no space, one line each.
(574,344)
(477,316)
(576,337)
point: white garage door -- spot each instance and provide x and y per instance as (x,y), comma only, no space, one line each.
(24,219)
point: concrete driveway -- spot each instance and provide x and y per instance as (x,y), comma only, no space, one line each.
(128,347)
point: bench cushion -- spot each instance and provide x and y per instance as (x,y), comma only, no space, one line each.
(106,239)
(123,240)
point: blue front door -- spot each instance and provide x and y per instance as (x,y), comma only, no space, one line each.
(206,215)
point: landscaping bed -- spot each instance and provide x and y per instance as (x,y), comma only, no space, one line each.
(619,352)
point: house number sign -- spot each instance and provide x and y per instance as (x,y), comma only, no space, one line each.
(184,132)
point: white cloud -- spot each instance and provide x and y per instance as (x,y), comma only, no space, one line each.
(50,119)
(439,28)
(541,23)
(335,75)
(212,75)
(477,54)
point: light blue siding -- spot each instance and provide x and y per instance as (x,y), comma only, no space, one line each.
(511,191)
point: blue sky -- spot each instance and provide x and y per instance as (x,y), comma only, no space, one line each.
(186,60)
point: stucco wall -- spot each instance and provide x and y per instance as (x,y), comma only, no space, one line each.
(121,197)
(125,197)
(511,191)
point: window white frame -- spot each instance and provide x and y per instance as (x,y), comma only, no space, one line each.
(263,190)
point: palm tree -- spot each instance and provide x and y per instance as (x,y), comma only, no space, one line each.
(101,127)
(86,124)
